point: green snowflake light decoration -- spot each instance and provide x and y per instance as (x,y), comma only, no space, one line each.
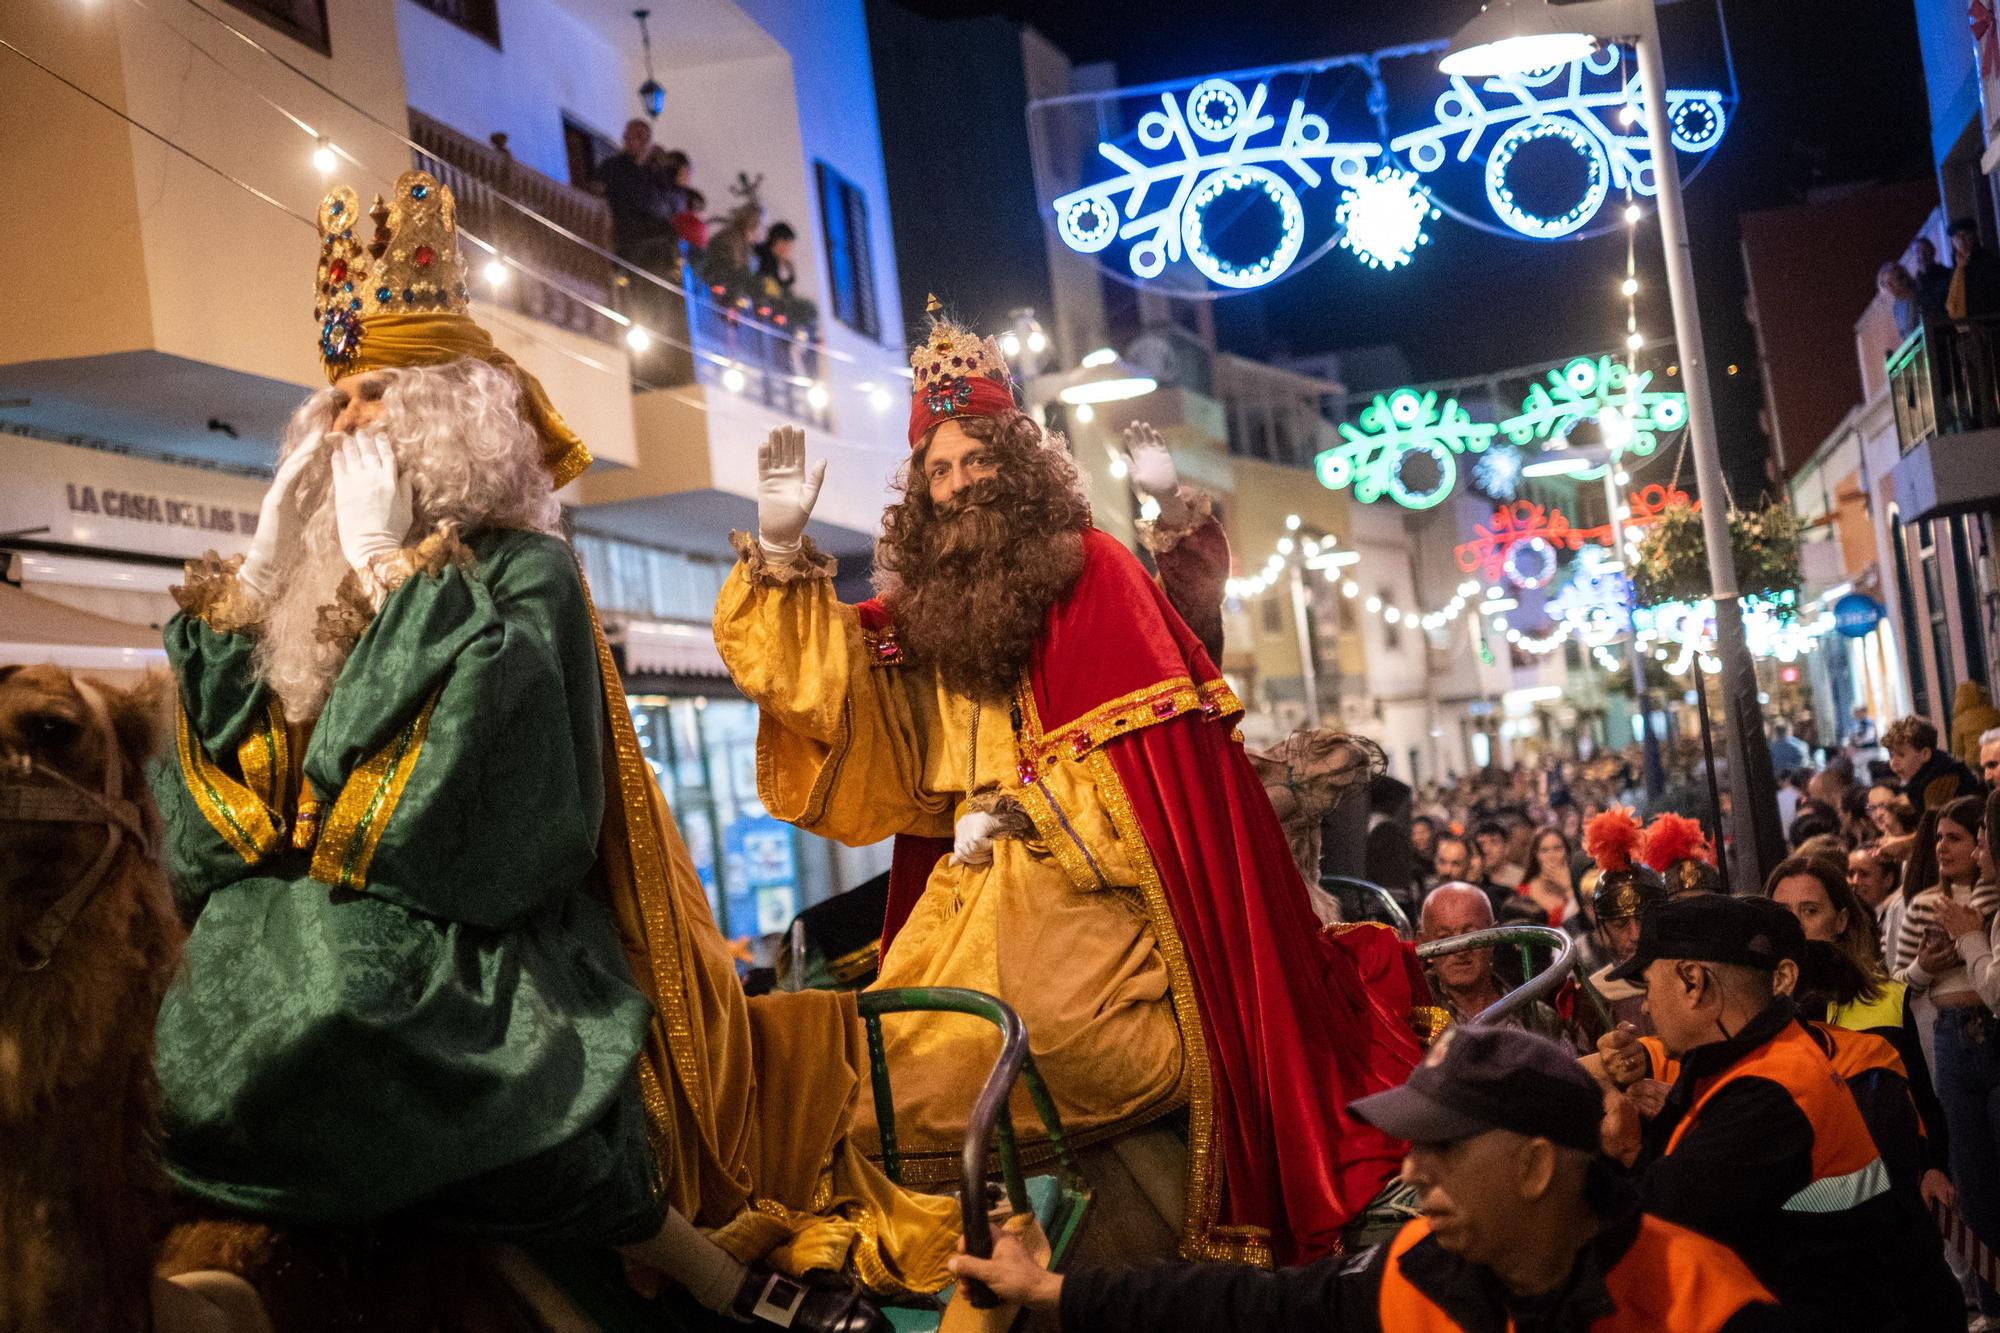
(1598,388)
(1392,431)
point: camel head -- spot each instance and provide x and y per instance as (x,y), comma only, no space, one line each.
(56,727)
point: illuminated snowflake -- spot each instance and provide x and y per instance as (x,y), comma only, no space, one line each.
(1601,389)
(1595,603)
(1382,218)
(1571,104)
(1194,175)
(1391,430)
(1498,472)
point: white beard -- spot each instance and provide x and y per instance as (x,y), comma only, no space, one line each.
(298,665)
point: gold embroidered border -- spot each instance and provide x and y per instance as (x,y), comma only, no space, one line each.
(266,761)
(1118,717)
(1059,838)
(1201,1236)
(362,811)
(231,809)
(667,987)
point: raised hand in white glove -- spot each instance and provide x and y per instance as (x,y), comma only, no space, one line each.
(1151,470)
(371,499)
(972,839)
(786,492)
(278,521)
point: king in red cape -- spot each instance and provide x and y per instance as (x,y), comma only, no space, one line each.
(1078,828)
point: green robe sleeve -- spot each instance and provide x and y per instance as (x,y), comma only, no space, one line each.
(222,792)
(459,757)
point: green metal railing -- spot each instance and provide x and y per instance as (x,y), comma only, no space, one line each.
(992,1120)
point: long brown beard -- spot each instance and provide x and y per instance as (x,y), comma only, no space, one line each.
(970,588)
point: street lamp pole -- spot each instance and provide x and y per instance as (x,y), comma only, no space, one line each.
(1752,785)
(1308,674)
(1649,741)
(1513,35)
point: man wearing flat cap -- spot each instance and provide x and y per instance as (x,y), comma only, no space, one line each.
(1759,1144)
(1523,1228)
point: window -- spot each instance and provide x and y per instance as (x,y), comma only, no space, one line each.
(1906,604)
(301,20)
(1937,610)
(850,257)
(481,18)
(585,149)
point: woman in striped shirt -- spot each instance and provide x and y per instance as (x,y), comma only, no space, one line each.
(1966,1037)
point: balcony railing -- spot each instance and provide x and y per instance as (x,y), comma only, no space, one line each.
(695,338)
(1943,380)
(479,176)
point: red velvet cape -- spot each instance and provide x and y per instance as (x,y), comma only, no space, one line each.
(1294,1028)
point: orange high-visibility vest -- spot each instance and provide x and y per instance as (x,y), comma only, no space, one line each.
(1846,1169)
(1670,1278)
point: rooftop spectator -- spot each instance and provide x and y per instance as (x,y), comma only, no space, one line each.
(1894,281)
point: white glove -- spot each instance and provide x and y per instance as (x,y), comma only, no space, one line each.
(786,492)
(972,839)
(278,521)
(1151,470)
(371,499)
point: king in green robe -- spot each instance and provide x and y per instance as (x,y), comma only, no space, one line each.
(396,993)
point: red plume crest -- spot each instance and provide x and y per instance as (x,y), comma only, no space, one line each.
(1672,838)
(1613,838)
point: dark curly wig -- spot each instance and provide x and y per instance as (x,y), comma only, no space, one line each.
(970,585)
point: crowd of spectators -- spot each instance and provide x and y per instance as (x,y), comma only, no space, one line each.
(1956,306)
(660,223)
(1890,878)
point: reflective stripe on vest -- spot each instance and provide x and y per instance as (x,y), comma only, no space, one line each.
(1836,1194)
(1844,1159)
(1670,1278)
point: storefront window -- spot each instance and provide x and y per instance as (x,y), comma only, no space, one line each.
(703,752)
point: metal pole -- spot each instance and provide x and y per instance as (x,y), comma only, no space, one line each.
(1649,741)
(1753,787)
(1307,675)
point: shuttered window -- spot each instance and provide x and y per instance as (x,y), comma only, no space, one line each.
(850,257)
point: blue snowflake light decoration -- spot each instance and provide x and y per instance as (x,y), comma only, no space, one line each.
(1498,472)
(1574,105)
(1381,218)
(1391,430)
(1596,389)
(1215,144)
(1595,604)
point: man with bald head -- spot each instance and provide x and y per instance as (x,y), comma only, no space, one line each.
(1465,983)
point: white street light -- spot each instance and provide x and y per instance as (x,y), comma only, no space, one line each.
(1513,36)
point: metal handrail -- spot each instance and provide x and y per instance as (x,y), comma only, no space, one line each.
(991,1116)
(1542,984)
(1398,918)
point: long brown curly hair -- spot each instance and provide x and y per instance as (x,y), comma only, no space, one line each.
(970,586)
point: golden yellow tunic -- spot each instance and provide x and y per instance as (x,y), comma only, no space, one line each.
(853,746)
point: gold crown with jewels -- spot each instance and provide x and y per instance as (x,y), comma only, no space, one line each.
(402,259)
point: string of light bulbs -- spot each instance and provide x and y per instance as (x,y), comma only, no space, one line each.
(325,156)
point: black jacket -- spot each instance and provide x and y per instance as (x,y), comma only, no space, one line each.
(1941,764)
(1872,1268)
(1343,1293)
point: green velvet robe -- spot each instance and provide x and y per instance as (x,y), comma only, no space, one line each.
(426,1009)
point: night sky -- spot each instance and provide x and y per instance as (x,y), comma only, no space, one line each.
(1831,92)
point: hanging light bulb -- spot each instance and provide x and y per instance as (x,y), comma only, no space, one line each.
(324,158)
(1084,413)
(880,399)
(638,339)
(818,397)
(1633,213)
(1630,286)
(495,271)
(734,380)
(1635,340)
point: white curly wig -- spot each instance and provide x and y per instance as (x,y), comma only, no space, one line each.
(474,462)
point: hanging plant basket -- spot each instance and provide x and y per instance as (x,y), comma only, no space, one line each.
(1673,556)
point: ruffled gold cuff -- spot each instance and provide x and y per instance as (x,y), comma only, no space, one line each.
(1160,537)
(761,569)
(1010,816)
(214,595)
(355,602)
